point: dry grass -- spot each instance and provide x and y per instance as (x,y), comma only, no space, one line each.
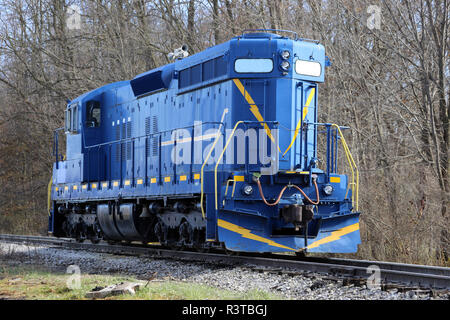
(31,283)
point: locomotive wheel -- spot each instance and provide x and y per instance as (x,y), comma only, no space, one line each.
(186,233)
(159,232)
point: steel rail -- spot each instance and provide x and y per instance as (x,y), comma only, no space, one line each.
(420,276)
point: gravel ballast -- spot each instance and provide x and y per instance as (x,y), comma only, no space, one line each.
(307,286)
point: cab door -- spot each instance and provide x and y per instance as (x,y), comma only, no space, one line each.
(305,139)
(95,154)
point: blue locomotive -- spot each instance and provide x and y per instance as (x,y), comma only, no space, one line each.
(217,149)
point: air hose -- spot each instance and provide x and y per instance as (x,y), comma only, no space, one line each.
(284,189)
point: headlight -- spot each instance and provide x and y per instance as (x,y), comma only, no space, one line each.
(308,68)
(285,54)
(247,190)
(285,65)
(328,189)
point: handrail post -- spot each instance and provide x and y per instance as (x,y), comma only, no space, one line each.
(191,173)
(98,162)
(353,167)
(220,158)
(121,162)
(147,153)
(110,164)
(174,180)
(133,159)
(160,159)
(328,127)
(225,111)
(55,147)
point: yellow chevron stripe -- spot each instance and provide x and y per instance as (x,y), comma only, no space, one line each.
(248,234)
(335,235)
(254,108)
(299,123)
(245,233)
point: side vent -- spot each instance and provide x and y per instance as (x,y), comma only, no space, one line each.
(122,144)
(155,139)
(147,133)
(117,147)
(129,144)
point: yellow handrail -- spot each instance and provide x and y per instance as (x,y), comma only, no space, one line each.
(353,167)
(207,158)
(220,158)
(228,184)
(49,192)
(354,185)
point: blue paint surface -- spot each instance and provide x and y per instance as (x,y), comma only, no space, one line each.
(130,154)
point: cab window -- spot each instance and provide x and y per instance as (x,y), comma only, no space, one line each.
(253,65)
(67,125)
(71,123)
(93,114)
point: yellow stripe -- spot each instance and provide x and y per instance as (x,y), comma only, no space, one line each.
(84,186)
(298,172)
(239,178)
(254,108)
(183,178)
(94,186)
(335,179)
(248,234)
(105,184)
(127,182)
(335,235)
(166,179)
(196,176)
(75,187)
(140,181)
(49,195)
(153,180)
(299,123)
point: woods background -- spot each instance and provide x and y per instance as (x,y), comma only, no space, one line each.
(388,82)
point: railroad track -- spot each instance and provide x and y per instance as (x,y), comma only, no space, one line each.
(390,274)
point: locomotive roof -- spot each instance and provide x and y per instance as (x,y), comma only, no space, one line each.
(97,91)
(161,76)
